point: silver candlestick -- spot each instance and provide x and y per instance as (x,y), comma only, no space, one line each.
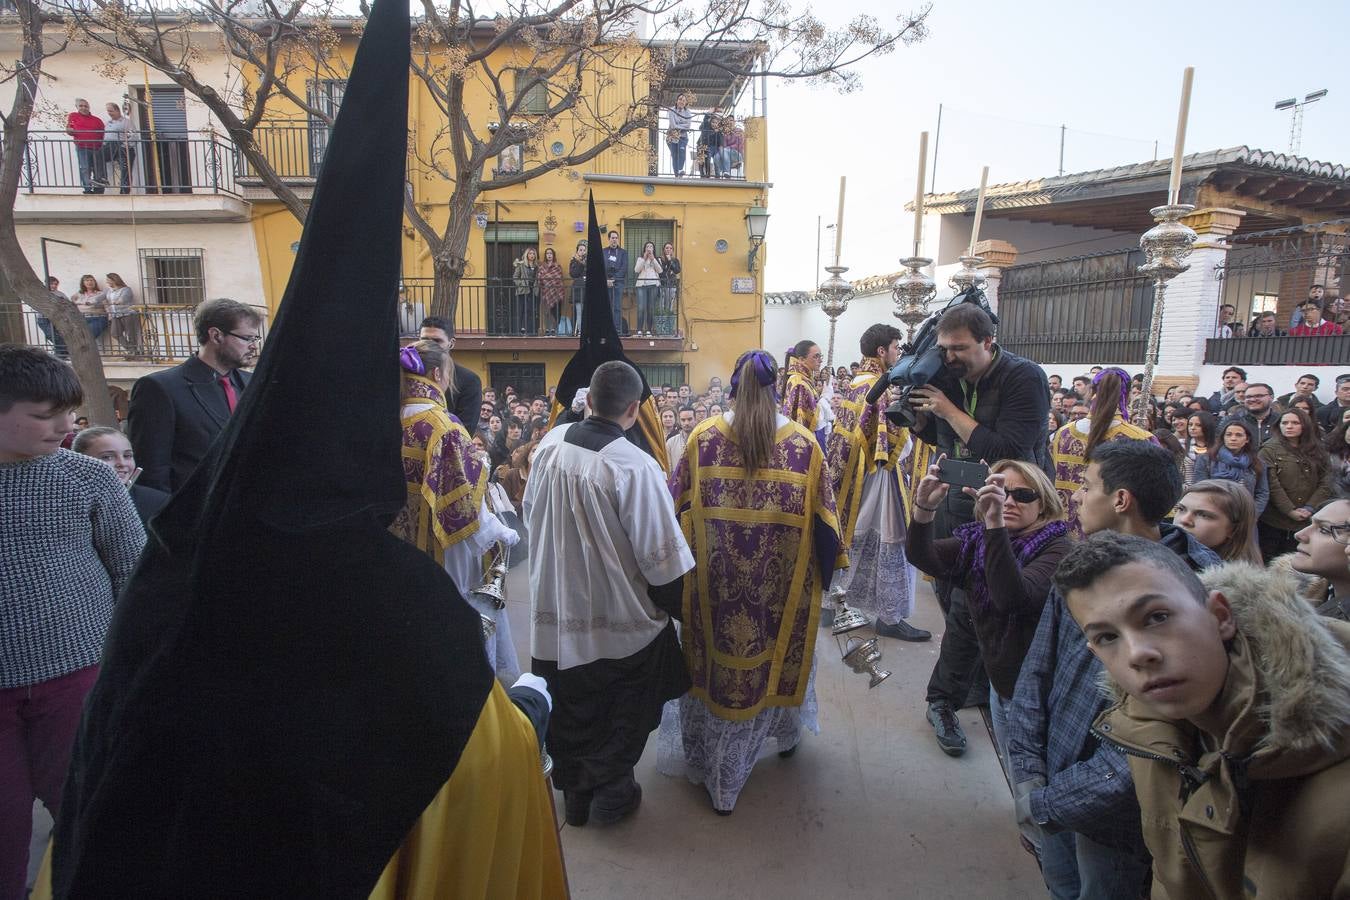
(834,294)
(912,292)
(1166,247)
(969,275)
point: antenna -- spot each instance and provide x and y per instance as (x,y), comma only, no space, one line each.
(1296,120)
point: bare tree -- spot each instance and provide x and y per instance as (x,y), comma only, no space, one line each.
(17,278)
(580,73)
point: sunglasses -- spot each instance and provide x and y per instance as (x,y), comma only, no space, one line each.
(1024,495)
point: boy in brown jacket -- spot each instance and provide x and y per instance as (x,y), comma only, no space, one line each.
(1235,713)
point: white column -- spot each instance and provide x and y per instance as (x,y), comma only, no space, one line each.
(1191,310)
(997,255)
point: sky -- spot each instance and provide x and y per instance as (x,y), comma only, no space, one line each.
(1008,75)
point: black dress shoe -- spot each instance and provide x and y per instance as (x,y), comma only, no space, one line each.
(950,737)
(577,807)
(785,754)
(616,801)
(903,631)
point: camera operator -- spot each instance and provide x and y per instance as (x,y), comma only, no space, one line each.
(985,405)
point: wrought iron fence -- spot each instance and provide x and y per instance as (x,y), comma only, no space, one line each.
(151,163)
(293,151)
(1274,270)
(1279,351)
(1085,309)
(154,333)
(497,307)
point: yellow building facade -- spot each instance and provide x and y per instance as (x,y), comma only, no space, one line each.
(718,311)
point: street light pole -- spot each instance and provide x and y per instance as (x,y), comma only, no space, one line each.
(1296,119)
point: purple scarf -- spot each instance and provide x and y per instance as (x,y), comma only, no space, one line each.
(1025,546)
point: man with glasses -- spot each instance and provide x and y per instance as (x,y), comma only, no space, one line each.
(176,414)
(465,397)
(1261,413)
(1321,553)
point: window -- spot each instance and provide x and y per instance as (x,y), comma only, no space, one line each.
(324,94)
(1264,303)
(173,276)
(526,378)
(535,99)
(637,232)
(673,374)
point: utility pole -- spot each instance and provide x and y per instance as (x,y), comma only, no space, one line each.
(1296,120)
(1062,130)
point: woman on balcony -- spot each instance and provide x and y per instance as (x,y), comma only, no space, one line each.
(670,283)
(90,301)
(119,303)
(551,289)
(525,312)
(648,271)
(576,268)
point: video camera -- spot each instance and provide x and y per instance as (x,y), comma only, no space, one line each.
(921,361)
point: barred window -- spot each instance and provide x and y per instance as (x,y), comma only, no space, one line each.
(535,100)
(173,276)
(526,378)
(673,374)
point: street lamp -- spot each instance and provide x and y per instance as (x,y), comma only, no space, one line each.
(756,223)
(1296,122)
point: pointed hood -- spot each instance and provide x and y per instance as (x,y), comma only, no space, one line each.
(600,343)
(286,685)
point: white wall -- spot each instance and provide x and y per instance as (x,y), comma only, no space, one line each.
(229,261)
(786,325)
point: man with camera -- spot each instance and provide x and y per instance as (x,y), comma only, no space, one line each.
(985,405)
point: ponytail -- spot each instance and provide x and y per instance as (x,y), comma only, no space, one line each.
(1105,406)
(756,409)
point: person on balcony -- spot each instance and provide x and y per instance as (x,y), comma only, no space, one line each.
(733,147)
(44,324)
(91,302)
(119,302)
(670,283)
(710,144)
(525,312)
(648,271)
(86,129)
(1315,292)
(551,289)
(616,276)
(677,135)
(1313,325)
(119,147)
(1265,327)
(576,268)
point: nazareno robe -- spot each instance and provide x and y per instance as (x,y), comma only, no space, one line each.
(864,450)
(800,399)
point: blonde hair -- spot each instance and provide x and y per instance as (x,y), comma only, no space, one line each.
(1052,508)
(1241,510)
(756,419)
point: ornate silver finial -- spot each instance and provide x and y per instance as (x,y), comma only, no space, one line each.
(1166,247)
(912,292)
(969,275)
(834,294)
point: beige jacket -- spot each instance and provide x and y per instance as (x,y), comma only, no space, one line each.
(1267,815)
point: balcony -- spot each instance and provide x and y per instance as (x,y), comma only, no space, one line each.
(152,178)
(1279,351)
(163,335)
(492,316)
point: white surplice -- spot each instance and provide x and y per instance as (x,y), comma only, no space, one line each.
(603,528)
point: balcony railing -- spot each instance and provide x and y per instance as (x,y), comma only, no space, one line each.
(294,151)
(494,307)
(156,333)
(151,163)
(1279,351)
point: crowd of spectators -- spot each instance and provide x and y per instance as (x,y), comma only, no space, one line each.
(1317,316)
(110,306)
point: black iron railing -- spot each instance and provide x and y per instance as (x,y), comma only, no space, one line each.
(1274,270)
(155,333)
(1086,309)
(294,152)
(1279,351)
(498,307)
(150,163)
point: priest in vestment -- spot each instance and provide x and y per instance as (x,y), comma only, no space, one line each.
(864,450)
(293,702)
(606,564)
(447,514)
(756,504)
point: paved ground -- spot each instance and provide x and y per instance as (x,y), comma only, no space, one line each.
(868,809)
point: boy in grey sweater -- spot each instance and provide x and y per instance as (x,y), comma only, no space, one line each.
(69,540)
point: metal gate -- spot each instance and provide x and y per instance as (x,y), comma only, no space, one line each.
(1274,270)
(1091,309)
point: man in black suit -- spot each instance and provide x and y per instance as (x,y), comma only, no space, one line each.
(176,414)
(465,397)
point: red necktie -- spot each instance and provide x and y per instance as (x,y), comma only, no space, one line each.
(231,398)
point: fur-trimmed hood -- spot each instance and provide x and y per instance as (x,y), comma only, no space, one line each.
(1301,662)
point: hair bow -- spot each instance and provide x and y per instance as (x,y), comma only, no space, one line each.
(411,360)
(765,369)
(1124,404)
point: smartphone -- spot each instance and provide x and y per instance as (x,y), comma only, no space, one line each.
(960,473)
